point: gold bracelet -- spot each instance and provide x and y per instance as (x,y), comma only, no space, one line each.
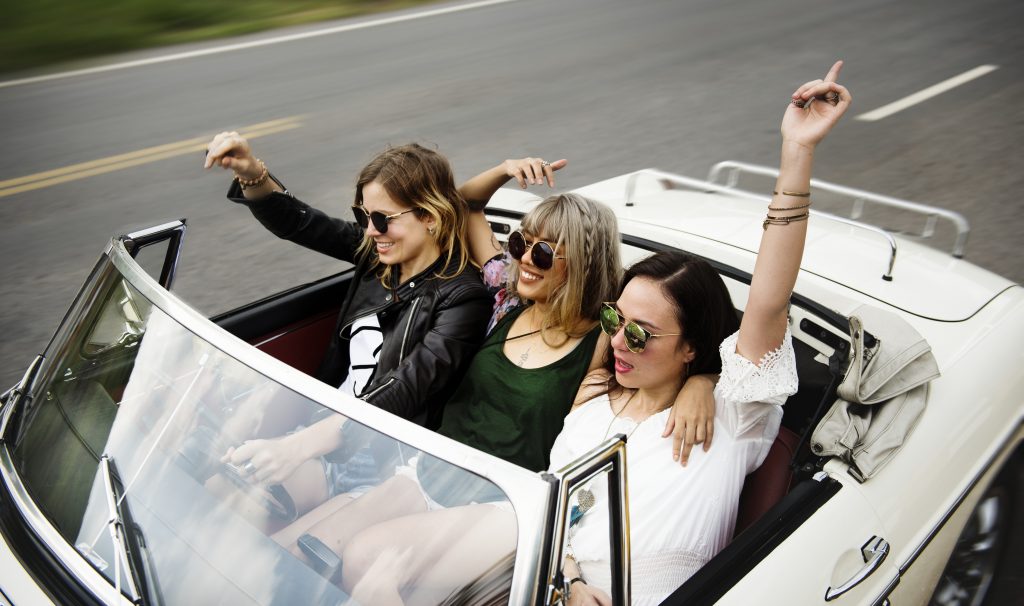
(798,194)
(770,220)
(802,206)
(257,181)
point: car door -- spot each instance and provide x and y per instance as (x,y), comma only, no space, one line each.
(837,554)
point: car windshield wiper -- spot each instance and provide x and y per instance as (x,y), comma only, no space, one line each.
(129,543)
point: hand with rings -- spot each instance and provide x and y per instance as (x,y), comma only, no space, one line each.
(806,123)
(533,171)
(267,461)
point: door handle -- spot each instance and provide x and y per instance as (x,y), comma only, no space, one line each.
(874,552)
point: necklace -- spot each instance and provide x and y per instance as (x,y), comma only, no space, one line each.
(526,354)
(585,498)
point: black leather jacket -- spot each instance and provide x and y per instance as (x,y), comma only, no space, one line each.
(432,326)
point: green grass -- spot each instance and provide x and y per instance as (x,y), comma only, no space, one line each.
(37,33)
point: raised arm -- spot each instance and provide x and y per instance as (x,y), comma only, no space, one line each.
(478,191)
(815,108)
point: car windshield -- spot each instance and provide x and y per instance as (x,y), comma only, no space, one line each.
(124,449)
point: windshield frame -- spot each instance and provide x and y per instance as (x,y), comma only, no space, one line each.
(532,495)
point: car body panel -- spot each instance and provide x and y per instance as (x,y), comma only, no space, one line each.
(851,257)
(834,547)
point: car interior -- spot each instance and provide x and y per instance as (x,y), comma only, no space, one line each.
(295,327)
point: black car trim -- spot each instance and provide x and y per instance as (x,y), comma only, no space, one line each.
(752,545)
(252,321)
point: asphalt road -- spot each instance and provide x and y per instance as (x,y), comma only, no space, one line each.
(613,86)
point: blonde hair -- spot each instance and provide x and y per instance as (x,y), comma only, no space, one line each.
(421,179)
(586,233)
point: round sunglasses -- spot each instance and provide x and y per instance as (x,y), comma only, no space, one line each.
(633,334)
(380,220)
(542,253)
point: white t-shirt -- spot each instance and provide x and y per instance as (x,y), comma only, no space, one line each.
(679,517)
(366,339)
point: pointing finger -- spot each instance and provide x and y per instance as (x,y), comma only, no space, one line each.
(551,167)
(833,74)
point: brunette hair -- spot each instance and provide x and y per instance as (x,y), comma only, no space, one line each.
(421,179)
(704,309)
(586,233)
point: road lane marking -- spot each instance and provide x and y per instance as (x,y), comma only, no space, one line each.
(897,106)
(135,158)
(256,43)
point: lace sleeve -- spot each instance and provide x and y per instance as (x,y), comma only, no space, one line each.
(748,393)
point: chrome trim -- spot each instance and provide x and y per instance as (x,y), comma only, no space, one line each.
(931,213)
(883,598)
(610,454)
(526,490)
(173,232)
(709,186)
(93,580)
(148,232)
(1004,447)
(17,393)
(874,552)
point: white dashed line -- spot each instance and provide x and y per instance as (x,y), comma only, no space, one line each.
(920,96)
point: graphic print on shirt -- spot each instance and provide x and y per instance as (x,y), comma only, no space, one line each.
(365,343)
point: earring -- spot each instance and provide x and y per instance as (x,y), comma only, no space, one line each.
(431,230)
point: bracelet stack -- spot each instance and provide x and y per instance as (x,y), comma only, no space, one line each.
(787,219)
(257,181)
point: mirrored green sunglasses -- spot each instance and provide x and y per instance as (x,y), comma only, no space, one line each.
(633,334)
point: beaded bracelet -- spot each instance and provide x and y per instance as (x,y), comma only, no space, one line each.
(257,181)
(770,220)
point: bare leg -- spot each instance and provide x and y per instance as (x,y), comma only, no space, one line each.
(398,496)
(423,558)
(287,536)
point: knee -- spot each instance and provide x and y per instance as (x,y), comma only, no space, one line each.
(357,558)
(369,567)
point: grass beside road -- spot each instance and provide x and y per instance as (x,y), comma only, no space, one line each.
(36,33)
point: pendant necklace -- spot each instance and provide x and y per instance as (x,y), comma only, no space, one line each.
(523,357)
(585,498)
(526,354)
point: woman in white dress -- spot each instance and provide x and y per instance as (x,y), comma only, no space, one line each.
(673,319)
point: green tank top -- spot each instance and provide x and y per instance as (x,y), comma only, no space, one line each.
(511,412)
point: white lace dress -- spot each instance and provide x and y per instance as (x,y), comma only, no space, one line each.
(680,517)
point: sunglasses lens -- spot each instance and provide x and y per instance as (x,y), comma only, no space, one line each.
(543,256)
(380,221)
(516,245)
(636,338)
(361,218)
(609,320)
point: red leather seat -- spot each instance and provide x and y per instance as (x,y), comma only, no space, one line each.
(769,482)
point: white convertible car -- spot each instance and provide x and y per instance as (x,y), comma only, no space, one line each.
(110,443)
